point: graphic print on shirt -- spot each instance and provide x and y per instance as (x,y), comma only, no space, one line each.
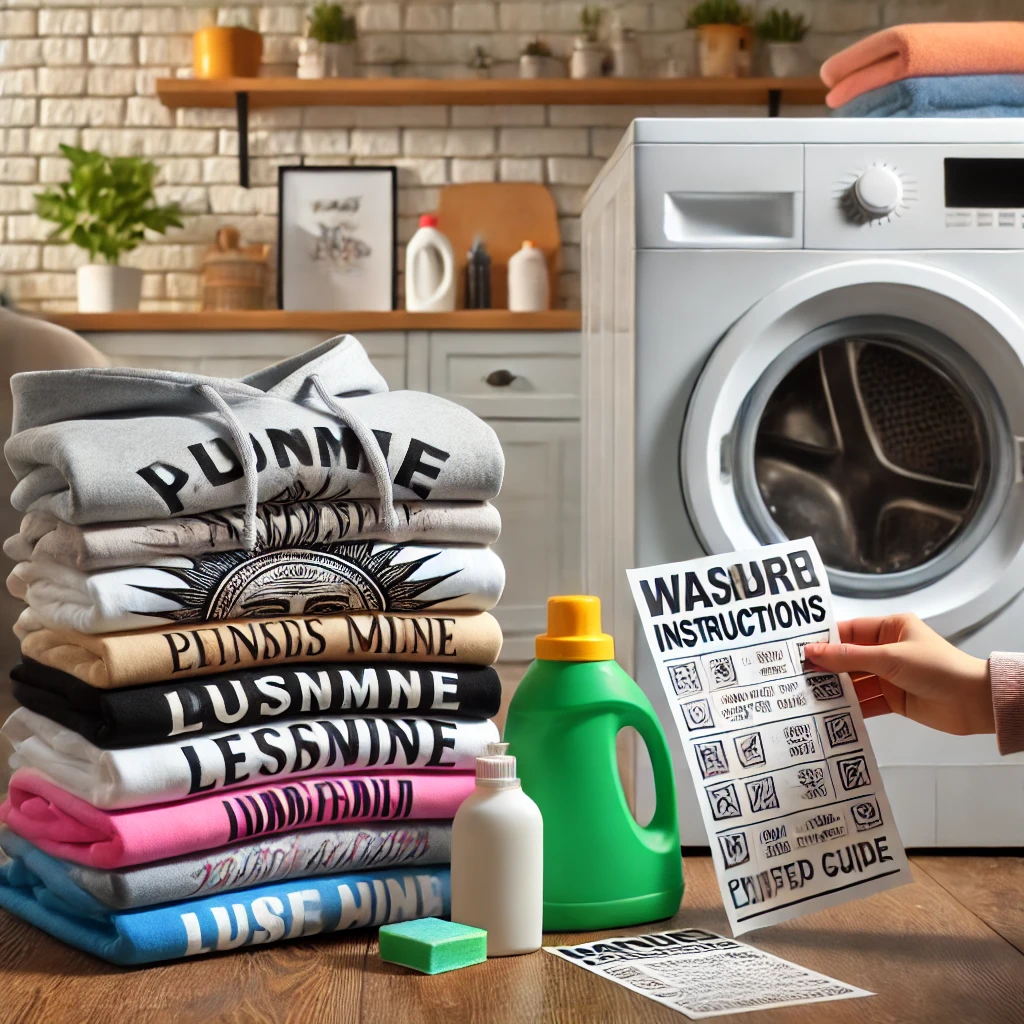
(334,579)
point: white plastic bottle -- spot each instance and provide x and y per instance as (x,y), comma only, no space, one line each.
(528,283)
(498,858)
(429,270)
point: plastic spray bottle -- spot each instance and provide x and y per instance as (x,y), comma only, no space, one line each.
(601,868)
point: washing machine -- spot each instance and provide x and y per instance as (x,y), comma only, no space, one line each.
(801,327)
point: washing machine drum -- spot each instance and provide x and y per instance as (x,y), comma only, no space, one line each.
(876,417)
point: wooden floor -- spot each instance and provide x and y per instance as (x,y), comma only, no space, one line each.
(949,948)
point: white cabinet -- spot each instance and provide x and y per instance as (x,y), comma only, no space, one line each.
(540,525)
(526,385)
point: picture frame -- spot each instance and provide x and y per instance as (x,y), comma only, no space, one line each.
(337,238)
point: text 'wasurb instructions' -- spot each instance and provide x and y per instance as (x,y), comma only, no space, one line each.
(788,785)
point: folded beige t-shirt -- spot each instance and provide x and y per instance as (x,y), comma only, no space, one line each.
(111,660)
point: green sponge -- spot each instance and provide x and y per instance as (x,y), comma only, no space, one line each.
(433,946)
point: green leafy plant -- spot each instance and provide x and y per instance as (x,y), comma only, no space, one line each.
(536,48)
(107,205)
(781,26)
(590,23)
(328,23)
(718,12)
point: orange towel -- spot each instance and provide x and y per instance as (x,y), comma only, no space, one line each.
(913,51)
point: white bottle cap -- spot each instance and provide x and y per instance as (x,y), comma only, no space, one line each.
(497,769)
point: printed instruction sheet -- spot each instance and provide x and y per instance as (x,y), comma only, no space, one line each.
(786,779)
(702,974)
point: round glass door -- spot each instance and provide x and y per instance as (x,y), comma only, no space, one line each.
(882,441)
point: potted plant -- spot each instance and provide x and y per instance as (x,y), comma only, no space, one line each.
(226,46)
(537,61)
(724,37)
(588,54)
(783,32)
(106,208)
(480,62)
(329,49)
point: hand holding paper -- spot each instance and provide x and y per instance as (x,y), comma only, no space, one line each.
(788,785)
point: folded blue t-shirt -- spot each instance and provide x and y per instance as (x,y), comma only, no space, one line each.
(941,96)
(248,917)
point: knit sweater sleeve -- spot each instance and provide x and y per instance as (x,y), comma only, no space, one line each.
(1006,672)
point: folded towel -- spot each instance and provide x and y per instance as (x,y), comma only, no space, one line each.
(911,51)
(72,829)
(330,579)
(94,892)
(294,521)
(157,774)
(140,715)
(112,660)
(942,96)
(266,913)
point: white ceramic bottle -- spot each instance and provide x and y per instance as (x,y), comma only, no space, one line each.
(528,285)
(498,858)
(429,270)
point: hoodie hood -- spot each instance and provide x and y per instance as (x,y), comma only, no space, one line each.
(50,396)
(112,445)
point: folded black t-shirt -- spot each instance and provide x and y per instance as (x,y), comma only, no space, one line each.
(141,715)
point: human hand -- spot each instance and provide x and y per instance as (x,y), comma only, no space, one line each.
(899,664)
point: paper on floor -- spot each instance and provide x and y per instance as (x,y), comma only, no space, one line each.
(702,974)
(788,785)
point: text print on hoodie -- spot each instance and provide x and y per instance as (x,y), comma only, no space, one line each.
(116,444)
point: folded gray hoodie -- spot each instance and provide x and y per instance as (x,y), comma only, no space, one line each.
(116,444)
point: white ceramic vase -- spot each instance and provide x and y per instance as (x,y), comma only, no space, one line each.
(785,60)
(626,56)
(587,60)
(103,288)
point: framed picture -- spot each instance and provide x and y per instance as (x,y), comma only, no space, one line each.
(336,238)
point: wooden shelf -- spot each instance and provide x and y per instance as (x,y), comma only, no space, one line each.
(407,92)
(338,322)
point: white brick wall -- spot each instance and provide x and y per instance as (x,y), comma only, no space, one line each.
(83,72)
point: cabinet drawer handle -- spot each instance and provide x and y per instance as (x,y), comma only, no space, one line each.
(500,378)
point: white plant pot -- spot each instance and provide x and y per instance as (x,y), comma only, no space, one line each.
(326,60)
(106,289)
(785,60)
(533,66)
(587,60)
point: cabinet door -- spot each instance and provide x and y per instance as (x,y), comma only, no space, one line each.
(540,525)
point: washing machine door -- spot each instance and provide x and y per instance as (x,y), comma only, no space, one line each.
(877,406)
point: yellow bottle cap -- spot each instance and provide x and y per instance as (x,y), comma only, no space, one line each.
(574,631)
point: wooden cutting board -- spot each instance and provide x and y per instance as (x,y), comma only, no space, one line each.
(503,214)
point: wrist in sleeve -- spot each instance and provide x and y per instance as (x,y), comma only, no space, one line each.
(1006,672)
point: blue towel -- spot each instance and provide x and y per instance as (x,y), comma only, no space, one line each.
(942,96)
(36,888)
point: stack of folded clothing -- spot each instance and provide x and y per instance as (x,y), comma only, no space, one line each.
(971,69)
(254,684)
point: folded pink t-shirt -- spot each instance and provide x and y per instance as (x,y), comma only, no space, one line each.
(66,826)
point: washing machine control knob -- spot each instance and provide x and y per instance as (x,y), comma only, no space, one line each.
(877,192)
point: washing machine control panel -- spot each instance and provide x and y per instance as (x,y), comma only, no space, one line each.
(914,196)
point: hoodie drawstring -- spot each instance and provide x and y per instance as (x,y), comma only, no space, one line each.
(371,448)
(247,456)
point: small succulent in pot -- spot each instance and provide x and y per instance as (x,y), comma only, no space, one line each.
(480,62)
(589,54)
(725,38)
(106,207)
(537,61)
(328,51)
(783,32)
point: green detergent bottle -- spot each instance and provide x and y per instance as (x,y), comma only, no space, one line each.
(601,869)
